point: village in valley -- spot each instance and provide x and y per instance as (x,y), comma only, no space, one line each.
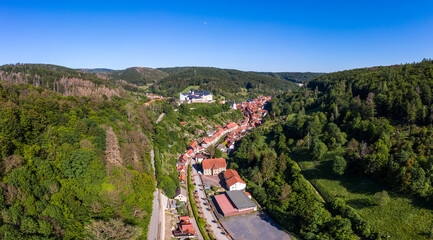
(208,188)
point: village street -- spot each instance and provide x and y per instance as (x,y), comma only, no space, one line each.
(232,132)
(209,216)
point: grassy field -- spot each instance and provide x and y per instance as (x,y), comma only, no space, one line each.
(187,89)
(401,217)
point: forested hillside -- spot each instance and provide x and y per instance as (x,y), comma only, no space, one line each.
(64,80)
(220,82)
(73,167)
(297,77)
(364,138)
(138,75)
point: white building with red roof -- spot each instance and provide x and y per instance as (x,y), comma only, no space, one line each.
(233,180)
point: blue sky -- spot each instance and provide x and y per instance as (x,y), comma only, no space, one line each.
(319,36)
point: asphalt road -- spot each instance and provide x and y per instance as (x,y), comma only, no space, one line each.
(210,218)
(154,220)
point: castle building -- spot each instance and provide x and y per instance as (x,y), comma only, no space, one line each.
(196,96)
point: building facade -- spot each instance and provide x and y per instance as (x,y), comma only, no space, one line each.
(196,96)
(214,166)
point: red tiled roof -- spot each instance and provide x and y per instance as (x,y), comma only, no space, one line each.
(230,173)
(182,177)
(181,168)
(193,144)
(225,204)
(231,125)
(189,152)
(183,218)
(214,163)
(189,231)
(187,227)
(233,180)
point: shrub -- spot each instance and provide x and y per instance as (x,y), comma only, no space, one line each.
(380,198)
(339,165)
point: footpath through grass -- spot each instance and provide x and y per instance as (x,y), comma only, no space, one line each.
(401,217)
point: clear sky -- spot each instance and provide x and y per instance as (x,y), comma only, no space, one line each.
(319,36)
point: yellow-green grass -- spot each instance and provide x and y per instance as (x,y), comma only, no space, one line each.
(402,217)
(189,88)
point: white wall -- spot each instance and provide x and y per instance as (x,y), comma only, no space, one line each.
(238,186)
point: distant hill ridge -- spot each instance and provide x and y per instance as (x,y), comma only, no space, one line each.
(225,83)
(228,83)
(297,77)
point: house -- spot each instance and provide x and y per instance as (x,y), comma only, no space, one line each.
(230,145)
(182,178)
(232,126)
(181,194)
(189,153)
(233,180)
(222,148)
(214,166)
(194,146)
(184,227)
(181,169)
(201,156)
(210,133)
(171,204)
(235,183)
(183,159)
(206,142)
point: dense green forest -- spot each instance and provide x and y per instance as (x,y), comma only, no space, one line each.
(224,83)
(231,84)
(297,77)
(138,75)
(95,70)
(364,138)
(72,167)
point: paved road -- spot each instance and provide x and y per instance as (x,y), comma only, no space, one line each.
(162,203)
(160,117)
(154,219)
(210,218)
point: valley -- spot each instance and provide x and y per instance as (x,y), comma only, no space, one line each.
(331,159)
